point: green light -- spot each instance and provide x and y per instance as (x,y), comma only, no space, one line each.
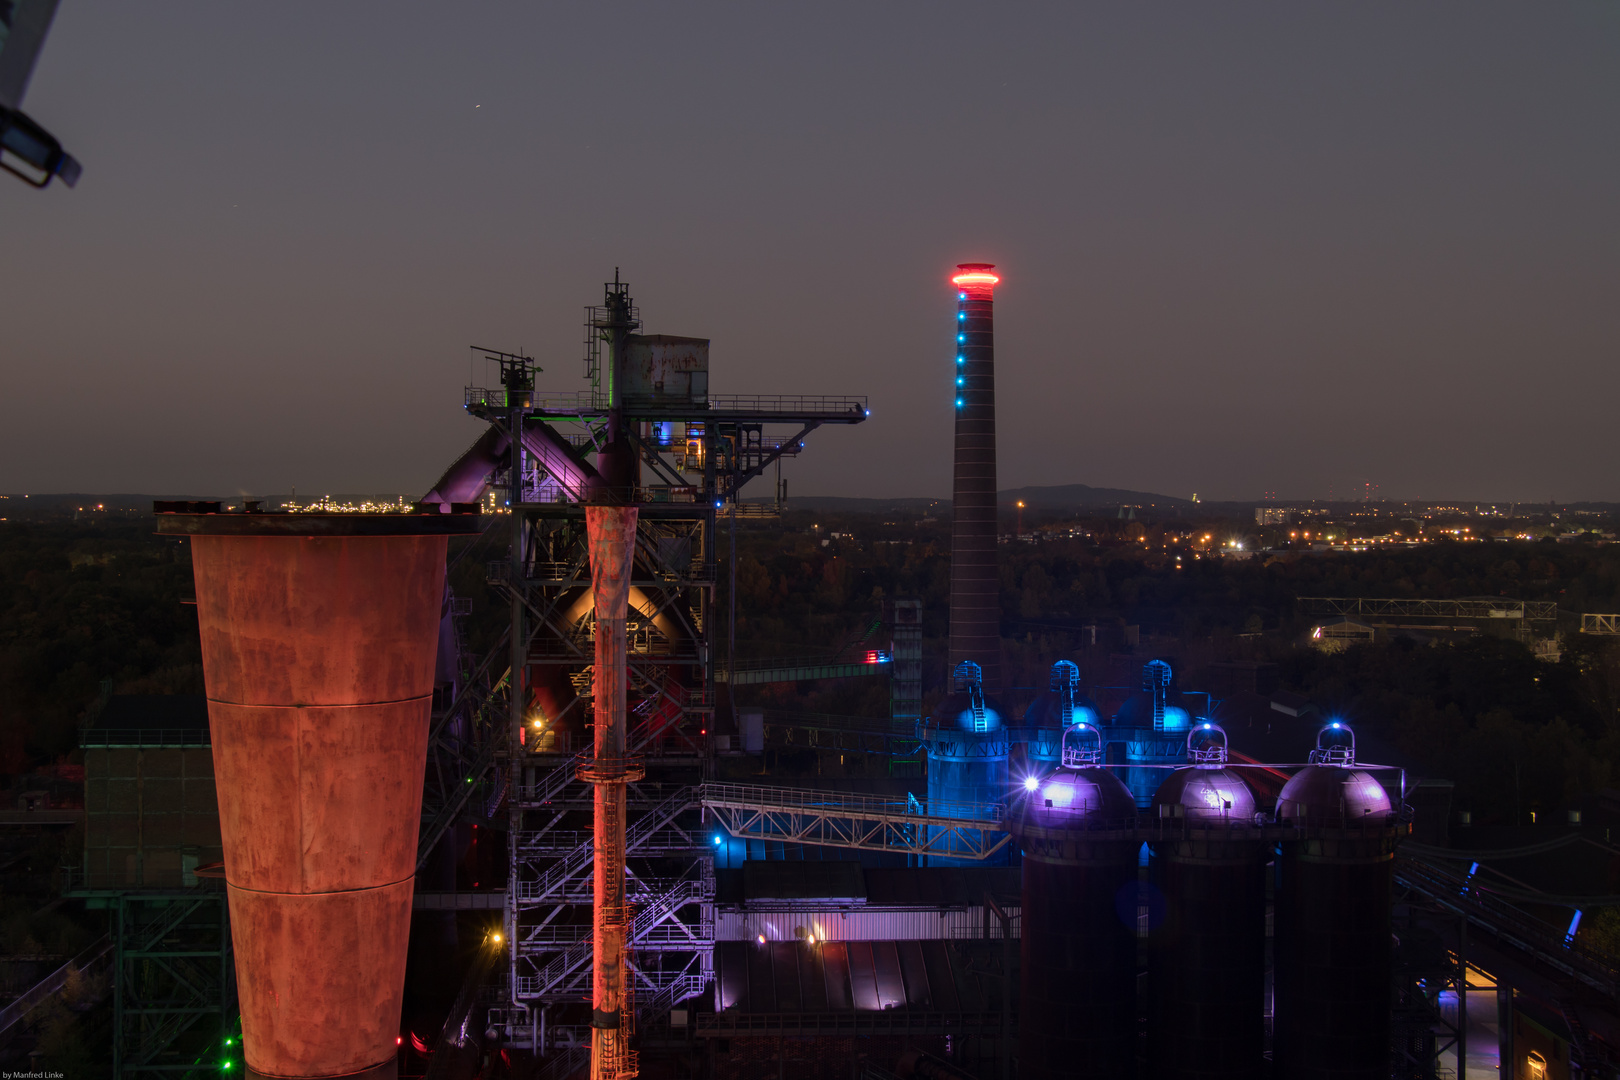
(225,1065)
(227,1042)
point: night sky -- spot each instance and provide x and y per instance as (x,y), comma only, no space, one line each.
(1244,247)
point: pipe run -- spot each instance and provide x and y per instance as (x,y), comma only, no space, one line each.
(611,532)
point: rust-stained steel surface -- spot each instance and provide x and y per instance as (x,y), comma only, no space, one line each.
(318,657)
(612,537)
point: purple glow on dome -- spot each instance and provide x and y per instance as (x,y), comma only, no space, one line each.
(1327,796)
(1088,791)
(1207,793)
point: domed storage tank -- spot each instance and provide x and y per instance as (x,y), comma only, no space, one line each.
(1331,1016)
(1051,714)
(967,742)
(1206,972)
(1077,1016)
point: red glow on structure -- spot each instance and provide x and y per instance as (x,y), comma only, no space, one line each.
(418,1045)
(980,279)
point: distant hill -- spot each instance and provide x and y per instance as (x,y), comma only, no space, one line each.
(1060,497)
(1066,495)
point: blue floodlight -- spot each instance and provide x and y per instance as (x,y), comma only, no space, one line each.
(1031,783)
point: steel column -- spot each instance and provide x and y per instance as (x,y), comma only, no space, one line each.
(612,534)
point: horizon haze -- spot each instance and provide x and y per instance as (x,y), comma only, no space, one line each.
(1247,248)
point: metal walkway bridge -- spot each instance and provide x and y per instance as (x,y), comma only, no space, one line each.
(857,822)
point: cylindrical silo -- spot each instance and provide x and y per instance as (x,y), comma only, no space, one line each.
(1332,975)
(967,744)
(1077,1012)
(1207,956)
(319,635)
(975,580)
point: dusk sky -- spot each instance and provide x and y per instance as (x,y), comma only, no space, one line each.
(1244,247)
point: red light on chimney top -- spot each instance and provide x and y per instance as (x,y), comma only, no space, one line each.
(975,276)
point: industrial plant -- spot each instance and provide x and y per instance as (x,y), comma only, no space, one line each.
(574,842)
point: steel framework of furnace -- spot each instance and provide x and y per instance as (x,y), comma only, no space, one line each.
(683,459)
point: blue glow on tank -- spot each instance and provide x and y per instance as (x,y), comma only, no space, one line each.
(1176,718)
(967,747)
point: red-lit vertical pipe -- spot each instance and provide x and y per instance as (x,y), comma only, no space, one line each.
(975,584)
(319,637)
(611,532)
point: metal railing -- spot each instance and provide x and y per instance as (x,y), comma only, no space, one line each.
(93,960)
(1455,892)
(791,404)
(183,738)
(966,830)
(1467,608)
(584,853)
(684,987)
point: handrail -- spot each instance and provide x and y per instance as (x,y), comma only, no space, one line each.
(51,984)
(979,815)
(1508,923)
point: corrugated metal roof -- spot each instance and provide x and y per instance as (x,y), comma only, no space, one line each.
(866,976)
